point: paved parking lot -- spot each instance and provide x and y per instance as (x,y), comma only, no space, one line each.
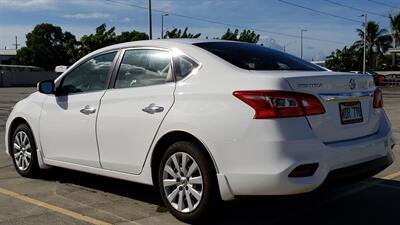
(68,197)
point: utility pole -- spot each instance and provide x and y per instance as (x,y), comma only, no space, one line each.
(150,23)
(162,24)
(16,43)
(365,15)
(301,42)
(285,45)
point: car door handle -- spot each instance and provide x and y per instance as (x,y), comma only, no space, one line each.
(153,108)
(88,110)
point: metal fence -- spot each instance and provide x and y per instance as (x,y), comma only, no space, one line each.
(24,79)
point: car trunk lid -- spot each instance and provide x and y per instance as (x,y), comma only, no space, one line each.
(348,102)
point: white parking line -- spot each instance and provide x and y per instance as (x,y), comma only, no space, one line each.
(54,208)
(391,176)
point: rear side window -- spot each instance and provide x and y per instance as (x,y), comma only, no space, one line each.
(184,66)
(144,67)
(255,57)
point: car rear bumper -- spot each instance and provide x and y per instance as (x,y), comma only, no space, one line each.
(353,159)
(360,171)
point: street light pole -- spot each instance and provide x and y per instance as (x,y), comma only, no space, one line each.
(162,24)
(301,42)
(150,23)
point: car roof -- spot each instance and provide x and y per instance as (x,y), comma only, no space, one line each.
(159,43)
(164,43)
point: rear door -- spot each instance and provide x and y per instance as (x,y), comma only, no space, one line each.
(347,99)
(131,112)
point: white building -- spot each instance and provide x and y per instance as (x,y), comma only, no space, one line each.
(394,52)
(8,56)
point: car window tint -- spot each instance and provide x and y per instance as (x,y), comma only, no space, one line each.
(143,67)
(183,67)
(92,75)
(255,57)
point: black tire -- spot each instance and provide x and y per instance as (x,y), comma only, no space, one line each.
(32,170)
(210,195)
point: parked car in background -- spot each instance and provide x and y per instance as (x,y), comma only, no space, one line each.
(392,80)
(203,120)
(60,69)
(379,79)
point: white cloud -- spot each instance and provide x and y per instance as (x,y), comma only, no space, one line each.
(27,4)
(87,16)
(127,19)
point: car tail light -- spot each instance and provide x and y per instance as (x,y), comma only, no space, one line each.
(280,104)
(378,98)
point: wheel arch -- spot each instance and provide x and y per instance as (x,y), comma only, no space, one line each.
(167,140)
(13,125)
(18,120)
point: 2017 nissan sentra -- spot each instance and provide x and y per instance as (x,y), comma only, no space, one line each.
(202,120)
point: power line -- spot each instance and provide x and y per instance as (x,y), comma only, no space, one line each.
(385,4)
(354,8)
(223,23)
(320,12)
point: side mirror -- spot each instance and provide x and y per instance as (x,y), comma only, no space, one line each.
(46,87)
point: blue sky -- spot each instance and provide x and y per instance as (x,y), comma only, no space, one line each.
(18,17)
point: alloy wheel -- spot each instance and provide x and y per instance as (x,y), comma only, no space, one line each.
(183,182)
(22,151)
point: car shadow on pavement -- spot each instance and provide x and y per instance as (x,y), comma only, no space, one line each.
(371,202)
(123,188)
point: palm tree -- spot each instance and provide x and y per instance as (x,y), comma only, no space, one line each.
(377,40)
(347,59)
(395,25)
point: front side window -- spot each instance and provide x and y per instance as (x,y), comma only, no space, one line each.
(144,67)
(92,75)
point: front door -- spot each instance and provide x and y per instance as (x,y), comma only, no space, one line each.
(68,119)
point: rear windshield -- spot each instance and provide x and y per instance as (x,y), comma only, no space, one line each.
(255,57)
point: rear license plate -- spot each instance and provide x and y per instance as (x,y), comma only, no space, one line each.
(350,112)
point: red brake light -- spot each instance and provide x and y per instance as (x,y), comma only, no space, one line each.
(280,104)
(378,98)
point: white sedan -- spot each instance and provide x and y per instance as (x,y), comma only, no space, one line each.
(203,120)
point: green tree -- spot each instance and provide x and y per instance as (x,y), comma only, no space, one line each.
(377,42)
(100,39)
(395,27)
(104,37)
(131,36)
(177,33)
(245,36)
(46,46)
(347,59)
(71,45)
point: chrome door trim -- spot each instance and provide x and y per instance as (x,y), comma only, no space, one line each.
(345,96)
